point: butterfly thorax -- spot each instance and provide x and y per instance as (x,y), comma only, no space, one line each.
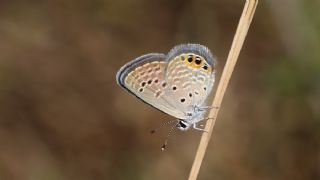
(194,116)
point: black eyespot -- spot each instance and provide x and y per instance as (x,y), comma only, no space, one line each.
(150,81)
(190,59)
(141,89)
(143,84)
(196,92)
(205,67)
(156,81)
(190,94)
(182,100)
(198,60)
(205,88)
(174,88)
(164,84)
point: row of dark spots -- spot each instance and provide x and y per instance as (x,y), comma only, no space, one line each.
(164,84)
(143,84)
(190,59)
(190,95)
(183,99)
(197,61)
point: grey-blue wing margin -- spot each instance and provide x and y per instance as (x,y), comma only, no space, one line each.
(127,68)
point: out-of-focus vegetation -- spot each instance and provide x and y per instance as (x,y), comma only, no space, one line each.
(62,116)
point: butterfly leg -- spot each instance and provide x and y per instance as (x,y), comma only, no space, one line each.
(199,129)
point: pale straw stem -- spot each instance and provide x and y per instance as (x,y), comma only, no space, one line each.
(242,29)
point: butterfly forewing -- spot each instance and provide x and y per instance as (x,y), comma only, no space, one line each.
(144,77)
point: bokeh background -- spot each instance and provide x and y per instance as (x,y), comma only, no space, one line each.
(62,115)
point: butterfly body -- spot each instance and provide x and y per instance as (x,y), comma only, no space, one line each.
(177,83)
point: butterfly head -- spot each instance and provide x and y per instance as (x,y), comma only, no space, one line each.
(183,125)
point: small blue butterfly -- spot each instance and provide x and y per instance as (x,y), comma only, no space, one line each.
(177,83)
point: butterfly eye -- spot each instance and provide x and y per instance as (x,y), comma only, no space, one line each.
(182,124)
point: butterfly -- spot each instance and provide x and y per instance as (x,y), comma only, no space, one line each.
(177,84)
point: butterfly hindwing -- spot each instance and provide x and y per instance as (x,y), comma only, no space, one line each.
(190,72)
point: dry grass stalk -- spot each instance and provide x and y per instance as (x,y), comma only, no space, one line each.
(243,26)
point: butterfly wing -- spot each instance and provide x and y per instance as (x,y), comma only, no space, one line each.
(144,77)
(190,72)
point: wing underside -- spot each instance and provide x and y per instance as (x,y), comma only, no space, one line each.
(145,78)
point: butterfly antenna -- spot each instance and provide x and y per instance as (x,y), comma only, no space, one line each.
(171,132)
(163,124)
(211,107)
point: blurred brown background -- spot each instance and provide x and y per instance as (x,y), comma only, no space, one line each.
(62,115)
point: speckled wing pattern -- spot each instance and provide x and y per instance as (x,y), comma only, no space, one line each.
(173,83)
(144,78)
(191,75)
